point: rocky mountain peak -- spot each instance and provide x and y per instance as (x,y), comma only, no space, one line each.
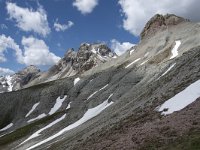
(160,22)
(78,61)
(89,55)
(69,52)
(29,69)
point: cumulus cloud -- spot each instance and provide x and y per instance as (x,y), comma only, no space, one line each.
(62,27)
(29,19)
(85,6)
(137,12)
(6,71)
(35,51)
(120,48)
(9,43)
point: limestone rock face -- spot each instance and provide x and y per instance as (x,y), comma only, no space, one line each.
(160,22)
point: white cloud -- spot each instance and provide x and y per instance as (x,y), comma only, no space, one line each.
(3,26)
(5,71)
(138,12)
(28,19)
(120,48)
(85,6)
(62,27)
(9,43)
(35,51)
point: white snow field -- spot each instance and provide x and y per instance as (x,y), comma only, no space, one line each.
(6,127)
(32,109)
(90,113)
(76,81)
(133,62)
(175,49)
(182,99)
(38,117)
(37,133)
(57,105)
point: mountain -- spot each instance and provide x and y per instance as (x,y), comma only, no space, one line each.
(147,98)
(73,62)
(18,80)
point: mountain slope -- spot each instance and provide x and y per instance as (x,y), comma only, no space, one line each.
(114,105)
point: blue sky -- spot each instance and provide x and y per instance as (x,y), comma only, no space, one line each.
(39,32)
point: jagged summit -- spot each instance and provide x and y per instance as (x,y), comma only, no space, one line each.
(77,61)
(29,69)
(160,22)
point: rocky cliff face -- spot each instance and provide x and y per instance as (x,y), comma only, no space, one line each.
(159,23)
(145,99)
(87,57)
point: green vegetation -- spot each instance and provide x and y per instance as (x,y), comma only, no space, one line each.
(190,142)
(186,142)
(22,132)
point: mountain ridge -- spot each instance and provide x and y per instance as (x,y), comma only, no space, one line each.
(73,62)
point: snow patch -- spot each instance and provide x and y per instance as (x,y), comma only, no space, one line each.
(175,49)
(91,113)
(37,118)
(131,51)
(76,81)
(9,81)
(103,87)
(92,95)
(57,105)
(143,62)
(146,54)
(68,106)
(97,91)
(37,133)
(182,99)
(94,51)
(133,62)
(32,109)
(168,69)
(6,127)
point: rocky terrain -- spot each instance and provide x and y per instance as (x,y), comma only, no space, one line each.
(148,98)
